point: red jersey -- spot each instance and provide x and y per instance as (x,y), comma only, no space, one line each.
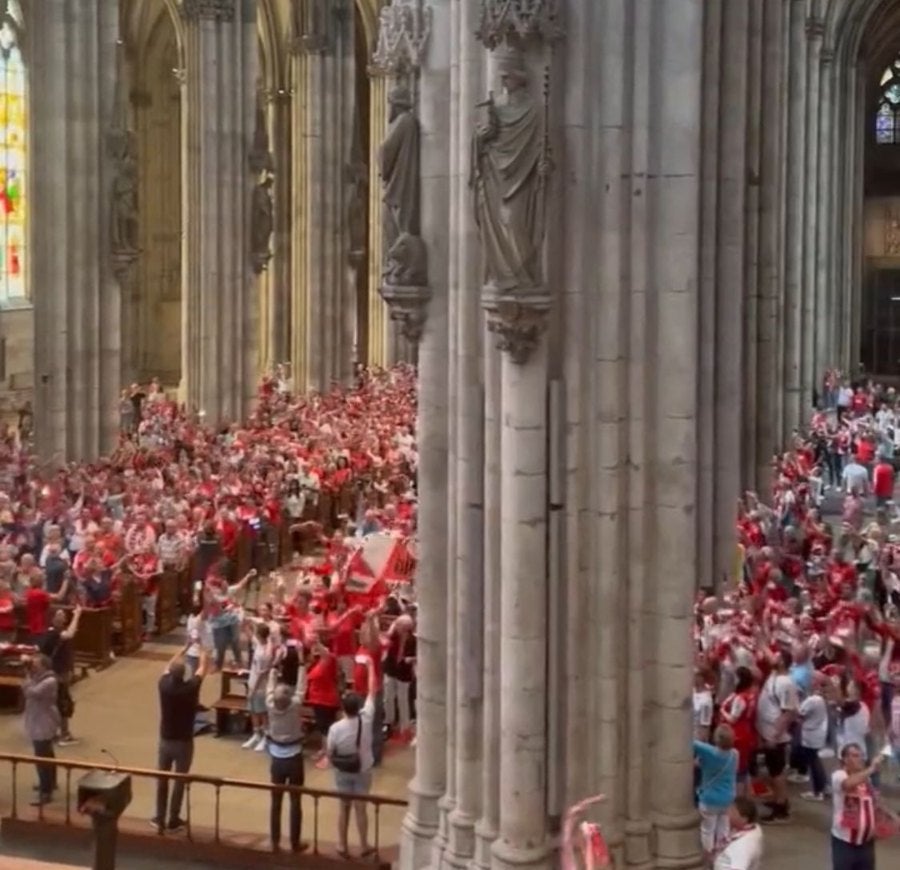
(361,671)
(883,480)
(321,683)
(343,632)
(7,613)
(37,610)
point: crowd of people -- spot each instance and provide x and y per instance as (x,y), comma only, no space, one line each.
(798,660)
(175,493)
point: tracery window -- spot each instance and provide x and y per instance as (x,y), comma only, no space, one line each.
(13,158)
(887,117)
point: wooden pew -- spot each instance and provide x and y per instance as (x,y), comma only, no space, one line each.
(232,701)
(185,590)
(12,698)
(93,640)
(167,602)
(127,618)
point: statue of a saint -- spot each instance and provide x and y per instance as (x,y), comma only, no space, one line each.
(262,223)
(399,165)
(508,175)
(124,218)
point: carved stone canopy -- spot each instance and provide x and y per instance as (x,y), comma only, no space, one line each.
(502,19)
(404,27)
(409,308)
(215,10)
(518,319)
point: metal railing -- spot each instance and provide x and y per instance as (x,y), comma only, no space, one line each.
(192,781)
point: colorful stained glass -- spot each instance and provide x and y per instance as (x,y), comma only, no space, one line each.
(13,161)
(884,125)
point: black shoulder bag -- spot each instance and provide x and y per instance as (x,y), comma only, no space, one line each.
(351,762)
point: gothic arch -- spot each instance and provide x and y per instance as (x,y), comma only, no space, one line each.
(138,16)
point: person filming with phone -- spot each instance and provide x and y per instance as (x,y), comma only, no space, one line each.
(349,749)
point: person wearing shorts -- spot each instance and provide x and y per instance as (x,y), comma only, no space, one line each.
(776,710)
(349,744)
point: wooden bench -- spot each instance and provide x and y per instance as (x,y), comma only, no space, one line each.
(233,701)
(11,695)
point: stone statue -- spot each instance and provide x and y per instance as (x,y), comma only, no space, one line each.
(124,218)
(407,263)
(262,223)
(399,168)
(508,180)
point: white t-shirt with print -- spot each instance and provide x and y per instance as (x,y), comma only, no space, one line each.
(743,852)
(778,695)
(703,712)
(854,729)
(814,718)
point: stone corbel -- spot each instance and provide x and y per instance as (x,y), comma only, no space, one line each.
(520,19)
(815,28)
(518,319)
(409,307)
(404,27)
(210,10)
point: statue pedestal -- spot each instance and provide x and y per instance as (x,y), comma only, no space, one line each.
(409,307)
(517,317)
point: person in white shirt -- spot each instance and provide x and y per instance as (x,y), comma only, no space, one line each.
(776,709)
(744,848)
(854,721)
(855,478)
(703,708)
(853,805)
(349,749)
(813,714)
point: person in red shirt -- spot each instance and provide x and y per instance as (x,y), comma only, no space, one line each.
(343,623)
(883,482)
(322,692)
(37,606)
(7,614)
(739,711)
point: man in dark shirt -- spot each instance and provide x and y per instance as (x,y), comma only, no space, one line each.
(178,700)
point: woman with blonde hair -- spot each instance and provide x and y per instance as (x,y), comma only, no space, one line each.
(718,764)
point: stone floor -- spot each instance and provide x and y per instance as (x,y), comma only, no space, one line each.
(117,712)
(116,717)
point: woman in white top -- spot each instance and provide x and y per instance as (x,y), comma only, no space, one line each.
(813,714)
(744,848)
(853,805)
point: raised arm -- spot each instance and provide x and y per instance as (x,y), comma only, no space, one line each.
(72,628)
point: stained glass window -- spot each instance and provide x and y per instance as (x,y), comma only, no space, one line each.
(887,116)
(13,159)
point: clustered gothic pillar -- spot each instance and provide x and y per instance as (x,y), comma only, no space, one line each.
(324,308)
(76,297)
(220,334)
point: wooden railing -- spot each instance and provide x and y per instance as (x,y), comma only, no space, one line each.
(70,812)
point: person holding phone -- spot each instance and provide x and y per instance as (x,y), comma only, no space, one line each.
(349,748)
(854,810)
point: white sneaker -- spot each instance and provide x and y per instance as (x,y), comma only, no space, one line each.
(812,796)
(261,746)
(827,752)
(797,778)
(251,742)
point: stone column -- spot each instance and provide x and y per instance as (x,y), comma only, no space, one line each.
(730,315)
(794,400)
(769,373)
(670,429)
(76,300)
(219,324)
(517,306)
(489,821)
(420,826)
(327,105)
(278,327)
(811,376)
(469,467)
(826,349)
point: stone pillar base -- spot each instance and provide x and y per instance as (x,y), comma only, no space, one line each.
(678,842)
(484,841)
(460,840)
(505,856)
(419,828)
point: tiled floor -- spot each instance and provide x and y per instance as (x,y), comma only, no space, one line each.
(117,711)
(117,718)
